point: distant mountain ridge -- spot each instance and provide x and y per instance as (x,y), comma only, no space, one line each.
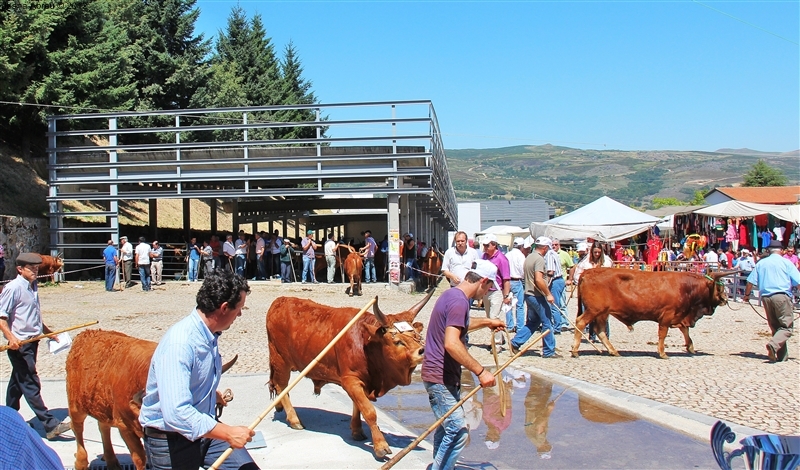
(570,177)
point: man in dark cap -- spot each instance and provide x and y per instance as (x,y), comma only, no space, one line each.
(21,319)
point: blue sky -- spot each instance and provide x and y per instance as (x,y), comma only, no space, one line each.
(671,75)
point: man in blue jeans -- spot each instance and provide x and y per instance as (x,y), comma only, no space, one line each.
(446,352)
(538,299)
(110,259)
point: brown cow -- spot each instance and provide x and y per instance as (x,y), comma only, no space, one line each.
(671,299)
(353,267)
(106,376)
(431,267)
(50,265)
(371,359)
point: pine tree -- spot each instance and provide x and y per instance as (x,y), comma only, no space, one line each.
(244,47)
(70,54)
(295,89)
(761,174)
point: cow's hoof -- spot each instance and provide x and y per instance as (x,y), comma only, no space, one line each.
(350,294)
(574,354)
(663,356)
(358,436)
(383,451)
(690,349)
(615,354)
(298,426)
(347,291)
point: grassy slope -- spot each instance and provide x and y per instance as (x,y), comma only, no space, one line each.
(574,176)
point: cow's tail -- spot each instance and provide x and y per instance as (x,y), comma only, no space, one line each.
(580,304)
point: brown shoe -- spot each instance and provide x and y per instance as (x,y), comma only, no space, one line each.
(771,353)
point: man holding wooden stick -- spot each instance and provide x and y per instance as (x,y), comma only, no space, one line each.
(21,319)
(178,407)
(446,353)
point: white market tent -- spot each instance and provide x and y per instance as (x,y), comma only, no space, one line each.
(789,213)
(752,209)
(604,219)
(505,233)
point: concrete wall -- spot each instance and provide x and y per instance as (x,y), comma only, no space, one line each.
(22,234)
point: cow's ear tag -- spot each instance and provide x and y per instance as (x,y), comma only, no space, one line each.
(403,326)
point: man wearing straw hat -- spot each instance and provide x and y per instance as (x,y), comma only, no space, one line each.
(21,319)
(177,413)
(446,352)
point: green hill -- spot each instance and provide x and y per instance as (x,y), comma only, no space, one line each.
(570,177)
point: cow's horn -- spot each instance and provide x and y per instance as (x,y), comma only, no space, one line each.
(229,364)
(416,308)
(720,274)
(379,315)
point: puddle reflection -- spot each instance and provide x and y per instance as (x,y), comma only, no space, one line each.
(545,424)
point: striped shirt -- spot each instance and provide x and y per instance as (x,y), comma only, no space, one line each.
(19,305)
(182,381)
(553,263)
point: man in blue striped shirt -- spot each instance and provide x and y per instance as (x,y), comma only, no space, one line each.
(177,413)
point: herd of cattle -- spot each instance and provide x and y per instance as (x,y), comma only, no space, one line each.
(107,371)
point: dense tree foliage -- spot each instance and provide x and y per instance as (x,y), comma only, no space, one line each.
(761,174)
(77,56)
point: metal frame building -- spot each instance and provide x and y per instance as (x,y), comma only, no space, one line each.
(390,150)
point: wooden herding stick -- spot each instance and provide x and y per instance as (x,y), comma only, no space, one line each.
(391,463)
(37,338)
(305,372)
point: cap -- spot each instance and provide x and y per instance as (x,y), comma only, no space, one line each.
(543,241)
(775,244)
(582,246)
(309,232)
(410,235)
(123,237)
(745,250)
(492,445)
(488,238)
(25,259)
(518,241)
(528,242)
(486,269)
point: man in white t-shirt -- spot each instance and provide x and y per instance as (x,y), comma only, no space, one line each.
(240,260)
(330,256)
(142,260)
(260,258)
(711,258)
(515,318)
(126,259)
(229,252)
(458,259)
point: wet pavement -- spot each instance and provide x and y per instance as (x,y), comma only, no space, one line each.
(549,426)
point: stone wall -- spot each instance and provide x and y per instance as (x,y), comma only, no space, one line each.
(22,234)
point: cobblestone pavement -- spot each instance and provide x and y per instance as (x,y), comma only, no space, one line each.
(729,377)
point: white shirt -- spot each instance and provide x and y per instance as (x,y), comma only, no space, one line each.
(143,253)
(228,248)
(711,257)
(241,246)
(458,264)
(126,252)
(586,264)
(275,245)
(516,261)
(329,248)
(779,231)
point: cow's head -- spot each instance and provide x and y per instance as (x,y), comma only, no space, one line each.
(719,292)
(401,348)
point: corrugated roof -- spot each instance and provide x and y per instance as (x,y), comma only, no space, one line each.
(763,195)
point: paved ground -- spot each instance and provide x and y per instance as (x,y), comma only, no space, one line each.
(729,378)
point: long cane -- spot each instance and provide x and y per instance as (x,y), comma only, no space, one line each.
(305,371)
(391,463)
(37,338)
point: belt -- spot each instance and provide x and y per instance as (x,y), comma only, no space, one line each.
(766,296)
(516,278)
(557,277)
(157,433)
